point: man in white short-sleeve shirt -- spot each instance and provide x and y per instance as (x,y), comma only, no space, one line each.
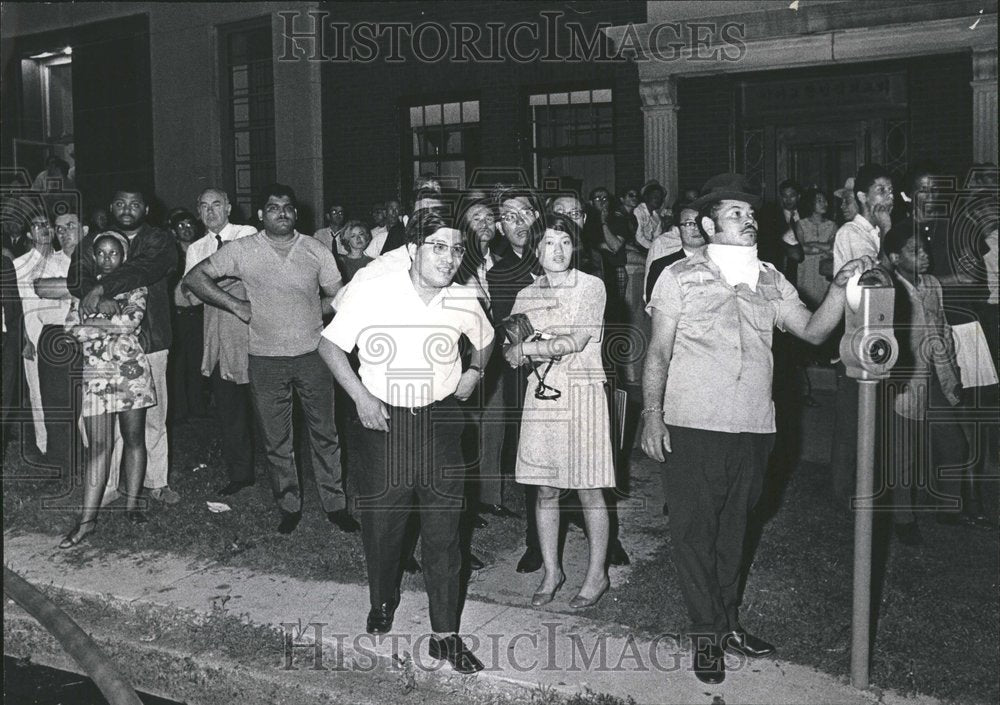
(406,326)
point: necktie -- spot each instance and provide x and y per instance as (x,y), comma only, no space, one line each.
(219,242)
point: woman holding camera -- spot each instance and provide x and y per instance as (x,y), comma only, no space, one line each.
(565,442)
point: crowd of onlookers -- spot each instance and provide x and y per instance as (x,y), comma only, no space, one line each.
(122,329)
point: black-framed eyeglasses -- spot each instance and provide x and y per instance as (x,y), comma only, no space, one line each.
(573,215)
(689,224)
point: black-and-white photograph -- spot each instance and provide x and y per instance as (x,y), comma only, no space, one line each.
(484,353)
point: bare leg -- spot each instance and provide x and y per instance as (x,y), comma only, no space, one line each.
(595,515)
(133,428)
(100,435)
(547,517)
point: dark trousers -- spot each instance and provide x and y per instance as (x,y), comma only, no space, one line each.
(926,462)
(187,386)
(273,381)
(515,384)
(11,355)
(59,380)
(843,461)
(714,479)
(416,465)
(233,404)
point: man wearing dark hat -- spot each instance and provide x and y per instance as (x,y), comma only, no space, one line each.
(707,392)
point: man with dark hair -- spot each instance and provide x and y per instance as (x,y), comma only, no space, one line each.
(407,402)
(290,280)
(859,237)
(707,398)
(647,215)
(152,259)
(778,244)
(330,234)
(519,211)
(920,382)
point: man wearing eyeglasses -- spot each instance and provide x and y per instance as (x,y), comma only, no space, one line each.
(290,280)
(41,261)
(406,326)
(330,236)
(692,241)
(515,270)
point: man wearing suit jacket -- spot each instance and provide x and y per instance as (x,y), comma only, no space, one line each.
(692,240)
(511,273)
(778,244)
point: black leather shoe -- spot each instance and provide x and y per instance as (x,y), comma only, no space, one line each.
(411,565)
(234,487)
(709,664)
(530,561)
(136,516)
(617,555)
(380,617)
(343,521)
(747,644)
(289,520)
(478,522)
(474,562)
(498,510)
(452,650)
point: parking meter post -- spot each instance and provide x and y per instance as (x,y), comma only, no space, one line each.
(863,523)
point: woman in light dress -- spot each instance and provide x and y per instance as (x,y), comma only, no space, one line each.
(566,441)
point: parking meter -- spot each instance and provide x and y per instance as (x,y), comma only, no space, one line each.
(868,351)
(868,348)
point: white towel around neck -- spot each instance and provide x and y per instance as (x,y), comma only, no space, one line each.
(739,264)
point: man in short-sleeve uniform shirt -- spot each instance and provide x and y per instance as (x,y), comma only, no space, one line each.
(290,280)
(707,392)
(406,326)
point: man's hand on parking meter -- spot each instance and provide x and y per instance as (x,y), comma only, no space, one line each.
(862,264)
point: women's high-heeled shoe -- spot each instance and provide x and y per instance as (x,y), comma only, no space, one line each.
(544,598)
(580,602)
(74,537)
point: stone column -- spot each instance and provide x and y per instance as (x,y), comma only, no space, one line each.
(659,113)
(984,105)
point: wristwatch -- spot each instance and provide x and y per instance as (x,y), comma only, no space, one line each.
(477,369)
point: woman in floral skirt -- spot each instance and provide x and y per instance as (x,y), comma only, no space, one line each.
(117,385)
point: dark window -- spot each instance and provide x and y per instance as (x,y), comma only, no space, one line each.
(248,122)
(444,140)
(573,136)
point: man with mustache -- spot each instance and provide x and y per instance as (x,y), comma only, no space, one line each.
(290,281)
(406,326)
(707,393)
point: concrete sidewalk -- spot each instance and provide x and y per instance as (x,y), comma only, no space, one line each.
(519,646)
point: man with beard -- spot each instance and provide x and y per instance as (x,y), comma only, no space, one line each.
(225,357)
(408,405)
(152,259)
(290,280)
(713,318)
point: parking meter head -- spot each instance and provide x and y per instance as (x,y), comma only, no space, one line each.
(868,348)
